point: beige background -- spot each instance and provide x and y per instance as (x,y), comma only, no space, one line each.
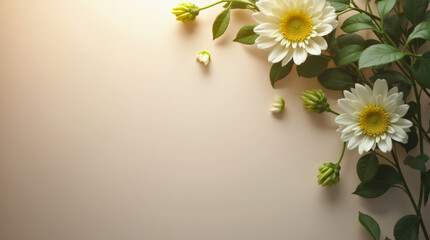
(109,129)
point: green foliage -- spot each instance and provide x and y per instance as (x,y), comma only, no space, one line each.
(336,79)
(367,167)
(392,27)
(422,30)
(379,54)
(358,22)
(246,35)
(425,180)
(391,76)
(412,140)
(348,54)
(221,23)
(313,66)
(407,228)
(236,5)
(370,225)
(385,7)
(385,178)
(278,72)
(415,10)
(418,163)
(421,70)
(349,39)
(339,5)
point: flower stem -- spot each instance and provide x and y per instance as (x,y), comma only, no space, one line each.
(343,152)
(331,111)
(230,1)
(408,192)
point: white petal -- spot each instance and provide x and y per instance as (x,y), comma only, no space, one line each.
(277,54)
(299,56)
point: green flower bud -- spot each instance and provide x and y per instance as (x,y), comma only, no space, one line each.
(204,57)
(186,12)
(315,101)
(328,174)
(277,104)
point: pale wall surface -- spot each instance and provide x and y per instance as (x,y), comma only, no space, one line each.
(109,129)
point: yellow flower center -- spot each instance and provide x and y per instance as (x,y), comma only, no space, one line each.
(374,121)
(296,26)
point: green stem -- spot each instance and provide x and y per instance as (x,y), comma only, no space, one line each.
(382,156)
(331,111)
(343,152)
(229,1)
(408,192)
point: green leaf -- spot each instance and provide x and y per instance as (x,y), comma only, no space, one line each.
(387,238)
(349,39)
(385,7)
(246,35)
(385,178)
(406,89)
(392,77)
(418,163)
(412,140)
(357,22)
(379,54)
(393,28)
(421,70)
(339,5)
(348,54)
(370,42)
(367,167)
(336,79)
(422,30)
(425,180)
(221,23)
(407,228)
(370,225)
(252,1)
(313,66)
(415,9)
(278,72)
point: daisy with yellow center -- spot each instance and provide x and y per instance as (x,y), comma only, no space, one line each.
(290,29)
(373,118)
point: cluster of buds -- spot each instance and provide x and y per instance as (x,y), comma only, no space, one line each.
(186,12)
(329,174)
(315,101)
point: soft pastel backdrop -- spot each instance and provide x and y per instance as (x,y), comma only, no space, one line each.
(109,129)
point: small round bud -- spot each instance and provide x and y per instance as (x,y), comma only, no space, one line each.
(315,101)
(328,174)
(277,104)
(186,12)
(203,57)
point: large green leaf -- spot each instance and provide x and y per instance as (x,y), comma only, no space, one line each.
(407,228)
(370,225)
(379,54)
(339,5)
(278,72)
(313,66)
(422,30)
(357,22)
(236,5)
(421,70)
(348,54)
(367,167)
(385,178)
(418,163)
(246,35)
(336,79)
(415,9)
(221,23)
(385,7)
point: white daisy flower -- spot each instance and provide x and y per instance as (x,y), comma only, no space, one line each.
(291,29)
(373,117)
